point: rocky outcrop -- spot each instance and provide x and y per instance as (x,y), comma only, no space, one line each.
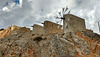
(8,31)
(12,30)
(71,44)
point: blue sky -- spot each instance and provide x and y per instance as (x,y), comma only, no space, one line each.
(29,11)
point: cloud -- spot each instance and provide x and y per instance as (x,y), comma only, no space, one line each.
(16,15)
(88,10)
(30,11)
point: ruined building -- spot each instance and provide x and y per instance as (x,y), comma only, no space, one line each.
(37,29)
(47,28)
(50,27)
(22,42)
(72,23)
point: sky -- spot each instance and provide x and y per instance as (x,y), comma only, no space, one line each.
(28,12)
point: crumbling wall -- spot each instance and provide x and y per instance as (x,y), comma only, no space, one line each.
(50,27)
(24,29)
(37,29)
(73,23)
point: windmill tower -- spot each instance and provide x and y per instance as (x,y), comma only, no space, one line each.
(71,23)
(62,16)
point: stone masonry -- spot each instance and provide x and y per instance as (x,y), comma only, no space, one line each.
(37,29)
(50,27)
(73,23)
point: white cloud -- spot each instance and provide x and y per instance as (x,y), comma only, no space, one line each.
(30,11)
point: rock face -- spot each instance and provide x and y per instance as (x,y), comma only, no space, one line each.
(12,30)
(71,44)
(8,31)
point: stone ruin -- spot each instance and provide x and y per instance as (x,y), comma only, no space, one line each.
(50,27)
(37,29)
(72,23)
(47,28)
(25,43)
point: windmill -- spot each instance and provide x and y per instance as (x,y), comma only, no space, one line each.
(62,13)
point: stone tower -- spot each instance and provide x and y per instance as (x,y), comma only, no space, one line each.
(73,23)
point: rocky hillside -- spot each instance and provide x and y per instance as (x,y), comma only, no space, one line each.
(24,43)
(8,31)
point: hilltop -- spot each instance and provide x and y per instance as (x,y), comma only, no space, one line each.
(24,43)
(49,40)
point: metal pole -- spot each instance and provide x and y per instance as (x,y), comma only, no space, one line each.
(99,26)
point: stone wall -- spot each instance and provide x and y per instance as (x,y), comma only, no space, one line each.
(37,29)
(50,27)
(73,23)
(24,29)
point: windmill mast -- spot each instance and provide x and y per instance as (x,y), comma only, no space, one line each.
(40,22)
(99,25)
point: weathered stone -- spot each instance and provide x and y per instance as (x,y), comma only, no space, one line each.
(37,29)
(73,23)
(50,27)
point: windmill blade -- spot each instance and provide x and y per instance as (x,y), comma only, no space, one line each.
(60,21)
(59,13)
(57,22)
(57,17)
(39,22)
(63,10)
(66,9)
(69,12)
